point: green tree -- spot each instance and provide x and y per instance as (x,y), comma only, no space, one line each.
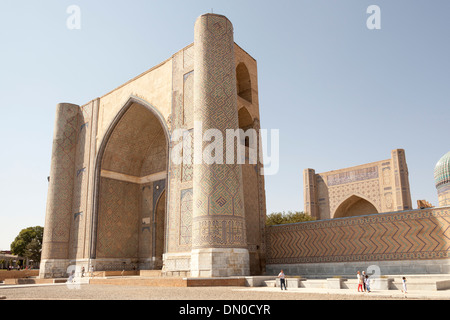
(277,218)
(33,250)
(29,243)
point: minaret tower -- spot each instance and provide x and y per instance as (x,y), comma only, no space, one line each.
(219,244)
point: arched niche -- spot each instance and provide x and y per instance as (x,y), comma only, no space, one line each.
(244,83)
(354,206)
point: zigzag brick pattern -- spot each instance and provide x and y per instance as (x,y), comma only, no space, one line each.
(407,235)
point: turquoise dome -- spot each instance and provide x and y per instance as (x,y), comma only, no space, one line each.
(442,171)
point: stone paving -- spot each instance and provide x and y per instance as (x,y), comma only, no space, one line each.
(112,292)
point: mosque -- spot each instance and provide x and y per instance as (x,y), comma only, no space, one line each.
(442,180)
(117,202)
(365,219)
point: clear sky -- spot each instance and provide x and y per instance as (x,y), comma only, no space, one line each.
(341,94)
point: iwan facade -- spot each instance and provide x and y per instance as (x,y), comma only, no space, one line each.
(116,199)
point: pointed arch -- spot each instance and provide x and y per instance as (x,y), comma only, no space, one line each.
(158,121)
(245,119)
(355,205)
(244,83)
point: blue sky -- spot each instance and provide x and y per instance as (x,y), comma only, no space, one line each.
(341,94)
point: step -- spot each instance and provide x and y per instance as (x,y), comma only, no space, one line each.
(150,273)
(32,281)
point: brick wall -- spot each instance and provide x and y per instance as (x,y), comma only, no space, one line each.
(405,235)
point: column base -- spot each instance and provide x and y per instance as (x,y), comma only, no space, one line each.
(54,268)
(217,262)
(177,264)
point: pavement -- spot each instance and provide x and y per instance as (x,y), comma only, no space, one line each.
(394,294)
(114,292)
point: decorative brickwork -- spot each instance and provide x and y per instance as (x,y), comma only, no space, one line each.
(218,198)
(118,219)
(186,217)
(442,180)
(61,184)
(409,235)
(117,202)
(382,186)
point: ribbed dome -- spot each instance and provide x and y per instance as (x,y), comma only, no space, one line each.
(442,171)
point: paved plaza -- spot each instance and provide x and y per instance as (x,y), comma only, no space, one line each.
(112,292)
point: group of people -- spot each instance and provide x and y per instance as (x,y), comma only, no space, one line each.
(363,282)
(18,268)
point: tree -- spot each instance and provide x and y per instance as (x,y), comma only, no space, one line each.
(28,243)
(33,250)
(277,218)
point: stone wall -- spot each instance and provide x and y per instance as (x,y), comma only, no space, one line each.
(415,241)
(444,195)
(14,274)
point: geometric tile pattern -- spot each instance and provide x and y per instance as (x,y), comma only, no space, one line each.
(60,193)
(188,121)
(81,189)
(118,221)
(218,197)
(186,217)
(90,215)
(188,98)
(137,147)
(180,176)
(352,176)
(384,184)
(188,159)
(368,190)
(408,235)
(442,171)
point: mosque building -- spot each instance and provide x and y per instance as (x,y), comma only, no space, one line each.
(442,180)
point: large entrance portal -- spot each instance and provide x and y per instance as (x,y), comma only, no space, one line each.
(129,222)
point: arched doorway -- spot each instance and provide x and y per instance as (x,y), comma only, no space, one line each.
(131,175)
(354,206)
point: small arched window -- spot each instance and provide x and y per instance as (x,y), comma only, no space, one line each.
(244,84)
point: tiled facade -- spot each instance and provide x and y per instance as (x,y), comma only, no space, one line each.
(442,180)
(381,186)
(116,200)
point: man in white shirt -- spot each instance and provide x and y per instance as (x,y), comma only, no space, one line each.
(282,280)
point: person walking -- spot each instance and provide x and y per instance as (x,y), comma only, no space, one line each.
(282,277)
(367,283)
(360,281)
(92,271)
(404,285)
(364,280)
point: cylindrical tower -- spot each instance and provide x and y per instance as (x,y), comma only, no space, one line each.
(55,247)
(219,245)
